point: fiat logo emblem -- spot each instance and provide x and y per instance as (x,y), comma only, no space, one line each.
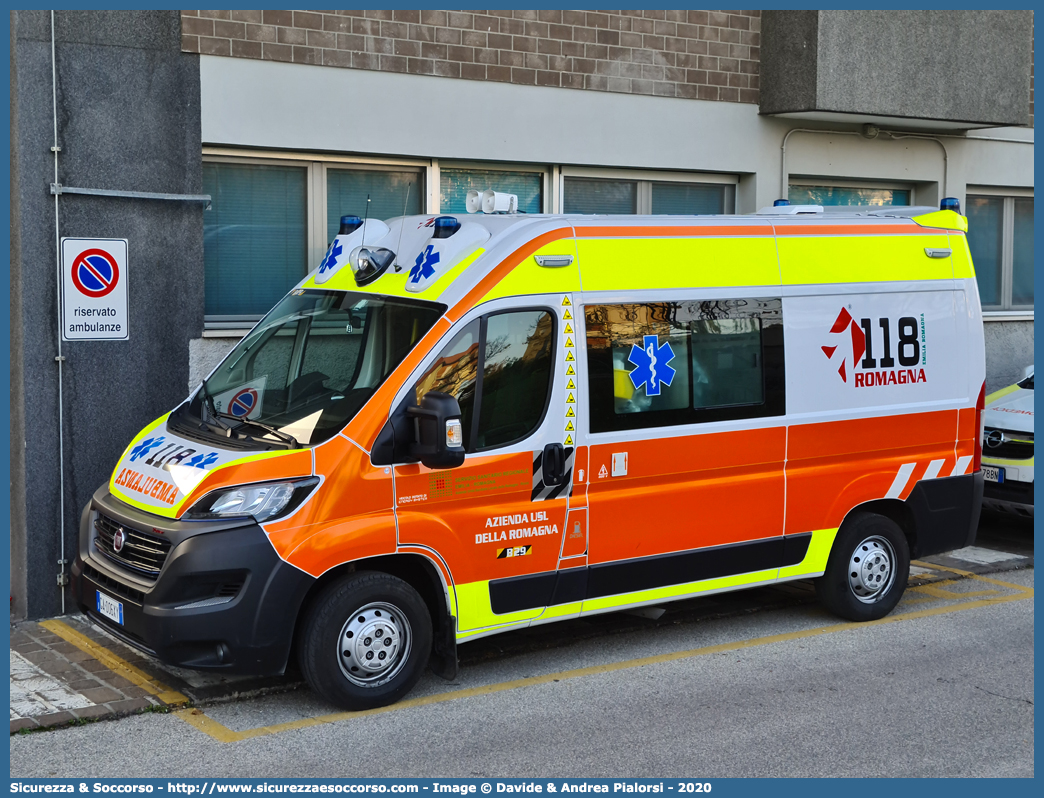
(118,540)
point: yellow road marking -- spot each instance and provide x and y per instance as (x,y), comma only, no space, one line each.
(223,734)
(936,589)
(115,663)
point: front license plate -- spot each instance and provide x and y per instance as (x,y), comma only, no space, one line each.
(993,473)
(110,608)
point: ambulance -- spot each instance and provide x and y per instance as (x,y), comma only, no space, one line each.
(1007,454)
(464,424)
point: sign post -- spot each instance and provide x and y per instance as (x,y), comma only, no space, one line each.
(94,289)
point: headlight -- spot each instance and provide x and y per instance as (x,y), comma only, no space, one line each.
(264,501)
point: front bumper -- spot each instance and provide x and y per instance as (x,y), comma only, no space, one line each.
(223,600)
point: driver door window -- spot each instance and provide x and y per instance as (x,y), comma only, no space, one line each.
(499,370)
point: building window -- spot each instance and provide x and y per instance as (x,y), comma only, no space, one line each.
(455,183)
(800,194)
(255,243)
(271,221)
(667,363)
(583,194)
(1000,236)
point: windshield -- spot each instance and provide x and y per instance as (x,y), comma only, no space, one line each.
(311,364)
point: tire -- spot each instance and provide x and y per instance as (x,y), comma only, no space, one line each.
(355,621)
(868,569)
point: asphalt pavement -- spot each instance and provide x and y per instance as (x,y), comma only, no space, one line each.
(942,687)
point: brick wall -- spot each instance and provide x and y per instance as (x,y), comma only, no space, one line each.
(709,55)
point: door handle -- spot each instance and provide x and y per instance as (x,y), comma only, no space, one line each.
(553,464)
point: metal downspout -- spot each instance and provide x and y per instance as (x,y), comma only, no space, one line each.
(59,359)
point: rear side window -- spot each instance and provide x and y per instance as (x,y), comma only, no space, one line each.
(499,369)
(666,363)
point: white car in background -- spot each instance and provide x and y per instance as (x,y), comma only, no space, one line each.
(1007,448)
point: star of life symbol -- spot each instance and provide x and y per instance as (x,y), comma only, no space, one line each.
(203,460)
(145,447)
(845,323)
(330,261)
(651,367)
(425,265)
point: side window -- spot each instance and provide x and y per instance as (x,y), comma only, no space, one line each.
(516,376)
(455,372)
(502,365)
(667,363)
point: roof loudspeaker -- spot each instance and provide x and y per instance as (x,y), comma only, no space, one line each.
(496,202)
(473,203)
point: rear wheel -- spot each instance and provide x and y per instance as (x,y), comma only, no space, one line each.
(366,641)
(868,569)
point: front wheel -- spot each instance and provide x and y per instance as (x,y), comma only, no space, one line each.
(366,641)
(868,569)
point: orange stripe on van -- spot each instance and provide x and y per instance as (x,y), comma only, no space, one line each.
(851,230)
(503,269)
(674,232)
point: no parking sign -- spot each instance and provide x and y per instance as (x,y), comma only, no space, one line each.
(94,289)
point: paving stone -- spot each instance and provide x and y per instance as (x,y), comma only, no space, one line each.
(128,705)
(55,719)
(101,695)
(84,684)
(97,711)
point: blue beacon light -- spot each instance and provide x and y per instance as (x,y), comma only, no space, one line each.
(950,204)
(779,202)
(349,224)
(445,226)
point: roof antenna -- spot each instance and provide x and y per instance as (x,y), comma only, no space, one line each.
(366,216)
(398,247)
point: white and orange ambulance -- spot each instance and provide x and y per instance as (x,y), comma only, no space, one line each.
(460,425)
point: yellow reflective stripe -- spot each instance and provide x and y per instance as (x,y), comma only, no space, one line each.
(961,258)
(679,591)
(619,264)
(998,394)
(948,220)
(808,260)
(998,461)
(528,277)
(815,558)
(474,611)
(393,283)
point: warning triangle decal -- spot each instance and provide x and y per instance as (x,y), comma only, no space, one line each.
(568,315)
(570,386)
(569,440)
(570,372)
(566,302)
(569,328)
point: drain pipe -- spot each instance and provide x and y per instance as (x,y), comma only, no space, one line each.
(894,134)
(63,577)
(946,160)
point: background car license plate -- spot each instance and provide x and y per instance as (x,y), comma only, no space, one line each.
(993,473)
(110,608)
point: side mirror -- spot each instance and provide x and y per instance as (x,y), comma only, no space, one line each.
(438,440)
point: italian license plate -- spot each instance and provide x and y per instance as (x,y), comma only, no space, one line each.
(110,608)
(993,473)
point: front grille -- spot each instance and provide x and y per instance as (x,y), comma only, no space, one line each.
(1012,446)
(142,553)
(113,586)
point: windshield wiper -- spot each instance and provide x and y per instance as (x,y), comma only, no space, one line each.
(286,437)
(208,403)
